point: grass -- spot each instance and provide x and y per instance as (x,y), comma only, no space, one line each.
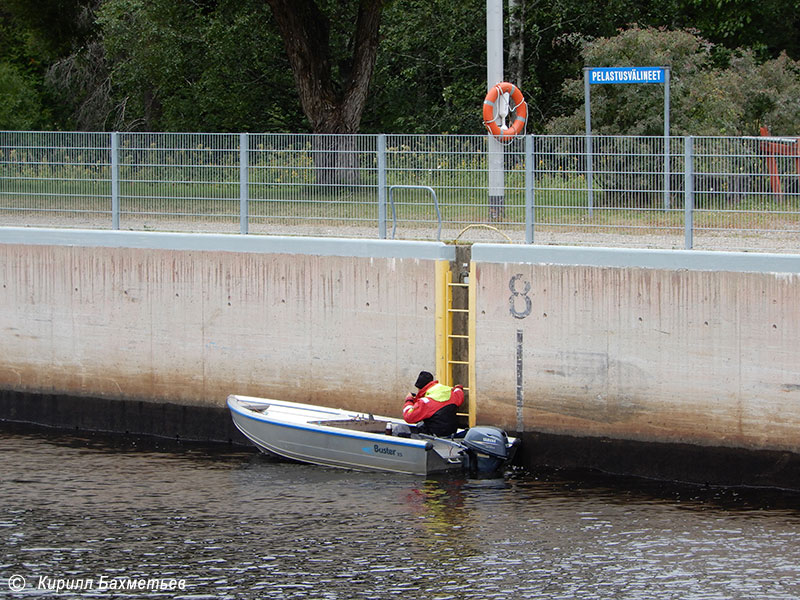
(291,197)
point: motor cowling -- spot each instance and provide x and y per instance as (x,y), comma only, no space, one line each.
(487,450)
(488,440)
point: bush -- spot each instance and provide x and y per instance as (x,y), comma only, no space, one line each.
(20,107)
(706,98)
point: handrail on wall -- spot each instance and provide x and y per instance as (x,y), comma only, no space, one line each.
(415,187)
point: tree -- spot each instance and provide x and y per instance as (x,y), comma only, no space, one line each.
(55,52)
(20,89)
(216,66)
(768,27)
(430,74)
(332,85)
(706,97)
(516,45)
(332,105)
(20,104)
(431,67)
(555,32)
(316,65)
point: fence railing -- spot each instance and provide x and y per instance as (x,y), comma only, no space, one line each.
(712,192)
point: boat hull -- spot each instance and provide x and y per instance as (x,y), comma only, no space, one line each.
(299,432)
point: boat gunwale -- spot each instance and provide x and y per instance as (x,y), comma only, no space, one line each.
(331,430)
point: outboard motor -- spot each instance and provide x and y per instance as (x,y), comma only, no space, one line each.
(487,450)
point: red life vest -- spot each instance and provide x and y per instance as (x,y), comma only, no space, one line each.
(429,400)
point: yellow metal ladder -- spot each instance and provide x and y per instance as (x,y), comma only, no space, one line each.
(446,337)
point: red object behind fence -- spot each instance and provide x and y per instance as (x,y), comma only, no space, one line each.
(784,148)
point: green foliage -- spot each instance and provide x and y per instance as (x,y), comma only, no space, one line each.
(220,65)
(555,32)
(431,71)
(35,37)
(768,27)
(20,106)
(705,99)
(177,68)
(21,77)
(53,28)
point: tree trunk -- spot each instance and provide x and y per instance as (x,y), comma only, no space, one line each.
(332,107)
(516,34)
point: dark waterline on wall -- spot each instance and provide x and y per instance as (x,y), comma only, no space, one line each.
(686,463)
(714,466)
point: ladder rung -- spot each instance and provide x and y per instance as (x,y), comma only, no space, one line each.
(458,336)
(457,362)
(458,284)
(458,310)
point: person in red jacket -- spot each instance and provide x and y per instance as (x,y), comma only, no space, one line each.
(434,406)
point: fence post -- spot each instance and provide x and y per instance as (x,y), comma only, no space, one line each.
(667,165)
(381,150)
(243,181)
(688,203)
(587,117)
(114,180)
(530,198)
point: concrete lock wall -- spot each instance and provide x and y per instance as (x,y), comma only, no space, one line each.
(189,319)
(149,332)
(678,347)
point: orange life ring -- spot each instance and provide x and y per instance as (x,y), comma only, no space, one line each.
(518,105)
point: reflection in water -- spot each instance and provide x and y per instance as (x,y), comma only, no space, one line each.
(437,505)
(235,524)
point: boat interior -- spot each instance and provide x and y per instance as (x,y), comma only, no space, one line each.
(366,425)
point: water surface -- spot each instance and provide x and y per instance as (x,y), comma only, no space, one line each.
(231,523)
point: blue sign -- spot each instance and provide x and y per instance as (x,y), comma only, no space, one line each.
(607,75)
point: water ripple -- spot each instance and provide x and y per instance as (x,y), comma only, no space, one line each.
(239,525)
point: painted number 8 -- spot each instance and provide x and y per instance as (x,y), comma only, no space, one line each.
(512,301)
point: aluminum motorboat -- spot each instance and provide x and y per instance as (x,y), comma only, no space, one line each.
(362,441)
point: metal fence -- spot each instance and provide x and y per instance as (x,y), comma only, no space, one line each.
(711,193)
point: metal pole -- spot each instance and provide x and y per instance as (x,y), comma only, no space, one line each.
(688,203)
(381,150)
(494,75)
(244,146)
(587,117)
(115,180)
(472,330)
(667,166)
(530,198)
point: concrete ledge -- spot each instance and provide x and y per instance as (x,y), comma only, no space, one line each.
(690,260)
(227,243)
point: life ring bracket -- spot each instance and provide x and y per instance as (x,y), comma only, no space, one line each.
(517,105)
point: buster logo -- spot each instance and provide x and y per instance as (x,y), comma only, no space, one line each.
(378,449)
